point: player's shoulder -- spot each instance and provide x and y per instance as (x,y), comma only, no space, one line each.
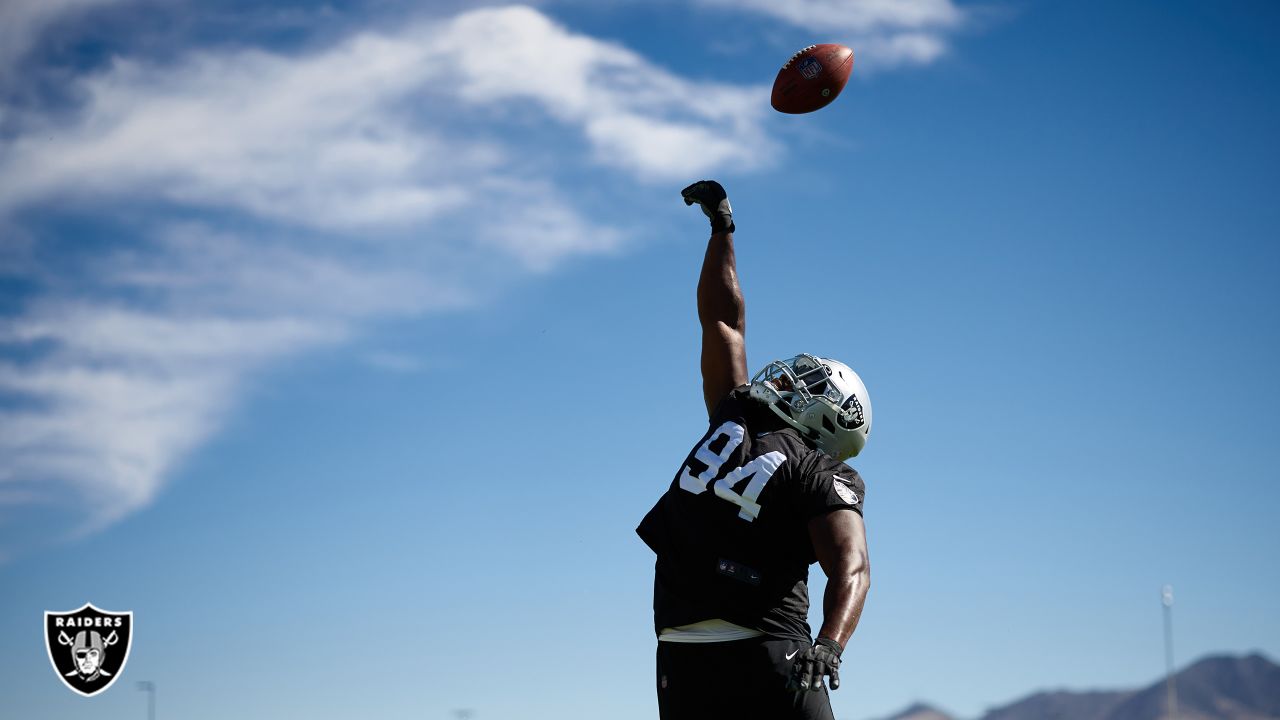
(821,465)
(840,484)
(825,463)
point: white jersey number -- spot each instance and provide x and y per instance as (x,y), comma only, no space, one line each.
(759,470)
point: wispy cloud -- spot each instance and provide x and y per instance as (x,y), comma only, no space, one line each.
(371,178)
(883,33)
(125,395)
(332,139)
(120,389)
(635,115)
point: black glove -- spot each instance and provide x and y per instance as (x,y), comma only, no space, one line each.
(710,196)
(821,659)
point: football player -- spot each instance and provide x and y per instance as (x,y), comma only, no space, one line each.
(762,496)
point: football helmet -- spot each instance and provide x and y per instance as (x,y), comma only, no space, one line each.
(822,398)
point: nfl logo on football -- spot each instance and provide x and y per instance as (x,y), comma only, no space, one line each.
(810,68)
(88,647)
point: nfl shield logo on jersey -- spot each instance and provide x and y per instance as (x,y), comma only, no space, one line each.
(88,647)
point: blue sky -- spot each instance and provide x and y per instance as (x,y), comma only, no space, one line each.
(346,344)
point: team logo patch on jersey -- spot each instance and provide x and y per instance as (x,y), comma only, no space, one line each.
(88,648)
(844,491)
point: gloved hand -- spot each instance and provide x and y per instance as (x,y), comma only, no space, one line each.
(711,197)
(821,659)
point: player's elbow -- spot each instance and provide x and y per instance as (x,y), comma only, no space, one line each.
(720,339)
(728,316)
(721,302)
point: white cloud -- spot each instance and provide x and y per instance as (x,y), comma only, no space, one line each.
(125,395)
(368,179)
(306,140)
(197,269)
(636,116)
(882,33)
(332,139)
(122,390)
(541,235)
(856,15)
(914,48)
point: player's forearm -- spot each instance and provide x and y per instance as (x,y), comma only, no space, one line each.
(843,600)
(719,296)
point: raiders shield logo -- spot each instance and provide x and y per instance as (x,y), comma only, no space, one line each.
(88,647)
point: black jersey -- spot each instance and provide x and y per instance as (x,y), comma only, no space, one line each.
(731,533)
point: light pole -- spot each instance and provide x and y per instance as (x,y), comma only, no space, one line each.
(1166,599)
(149,688)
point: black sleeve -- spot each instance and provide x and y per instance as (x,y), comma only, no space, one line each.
(730,406)
(828,485)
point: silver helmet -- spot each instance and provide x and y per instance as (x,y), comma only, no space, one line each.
(822,398)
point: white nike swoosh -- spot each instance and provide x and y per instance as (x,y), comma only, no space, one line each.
(793,654)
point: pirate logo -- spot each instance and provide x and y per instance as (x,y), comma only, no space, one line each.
(88,647)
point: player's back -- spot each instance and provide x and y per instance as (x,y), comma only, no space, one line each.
(731,530)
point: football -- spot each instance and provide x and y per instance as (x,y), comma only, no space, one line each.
(812,78)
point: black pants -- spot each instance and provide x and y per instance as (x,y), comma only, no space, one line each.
(738,680)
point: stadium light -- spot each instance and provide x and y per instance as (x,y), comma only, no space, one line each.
(1166,599)
(149,688)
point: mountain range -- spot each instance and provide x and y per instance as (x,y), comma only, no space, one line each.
(1218,687)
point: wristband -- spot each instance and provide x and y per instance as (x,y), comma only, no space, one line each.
(833,644)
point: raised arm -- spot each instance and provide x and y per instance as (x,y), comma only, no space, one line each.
(721,310)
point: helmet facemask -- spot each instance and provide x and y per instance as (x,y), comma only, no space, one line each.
(822,398)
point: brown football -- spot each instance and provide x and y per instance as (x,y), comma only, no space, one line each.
(812,78)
